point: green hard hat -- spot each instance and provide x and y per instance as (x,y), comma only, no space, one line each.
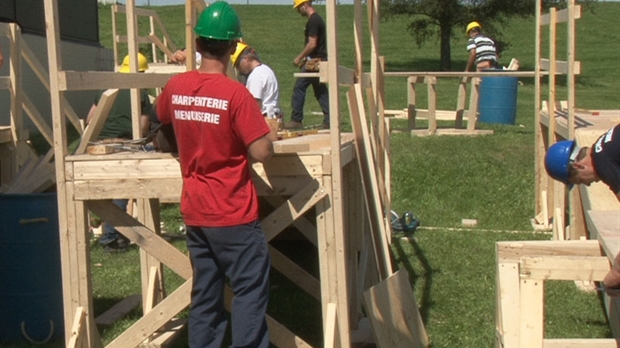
(219,21)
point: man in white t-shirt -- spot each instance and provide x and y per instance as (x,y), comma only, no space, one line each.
(261,80)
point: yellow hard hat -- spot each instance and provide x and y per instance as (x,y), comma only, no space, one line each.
(297,3)
(143,64)
(241,46)
(471,26)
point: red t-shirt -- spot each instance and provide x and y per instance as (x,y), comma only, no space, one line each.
(215,119)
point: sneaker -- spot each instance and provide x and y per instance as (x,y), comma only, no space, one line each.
(325,126)
(119,245)
(294,125)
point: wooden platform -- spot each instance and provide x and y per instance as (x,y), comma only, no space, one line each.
(295,180)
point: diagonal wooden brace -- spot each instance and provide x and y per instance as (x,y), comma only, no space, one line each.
(296,206)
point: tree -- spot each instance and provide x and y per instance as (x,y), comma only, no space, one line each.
(444,18)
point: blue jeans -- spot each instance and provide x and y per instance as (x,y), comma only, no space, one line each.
(240,254)
(321,93)
(109,233)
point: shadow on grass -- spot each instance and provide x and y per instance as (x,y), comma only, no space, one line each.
(425,300)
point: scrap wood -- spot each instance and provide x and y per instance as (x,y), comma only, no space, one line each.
(294,134)
(118,310)
(394,315)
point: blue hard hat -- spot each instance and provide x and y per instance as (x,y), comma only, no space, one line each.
(558,159)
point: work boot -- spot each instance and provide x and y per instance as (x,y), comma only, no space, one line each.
(118,245)
(293,125)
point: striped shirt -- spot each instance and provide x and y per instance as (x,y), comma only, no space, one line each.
(485,48)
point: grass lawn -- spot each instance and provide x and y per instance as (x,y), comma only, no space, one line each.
(440,179)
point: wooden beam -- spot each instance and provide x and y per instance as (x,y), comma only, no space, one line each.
(98,121)
(514,251)
(97,80)
(591,268)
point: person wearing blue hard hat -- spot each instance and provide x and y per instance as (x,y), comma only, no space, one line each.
(570,164)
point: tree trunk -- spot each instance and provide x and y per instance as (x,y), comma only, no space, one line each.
(446,60)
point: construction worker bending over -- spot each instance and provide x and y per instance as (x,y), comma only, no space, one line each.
(118,128)
(570,164)
(219,127)
(260,80)
(482,51)
(315,47)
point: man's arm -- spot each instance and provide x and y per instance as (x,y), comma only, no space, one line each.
(612,279)
(261,150)
(91,113)
(471,59)
(310,46)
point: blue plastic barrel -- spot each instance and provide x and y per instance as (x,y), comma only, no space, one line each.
(497,102)
(30,276)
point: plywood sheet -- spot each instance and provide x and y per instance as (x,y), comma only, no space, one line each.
(394,314)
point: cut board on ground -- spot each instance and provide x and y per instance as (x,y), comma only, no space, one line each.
(394,314)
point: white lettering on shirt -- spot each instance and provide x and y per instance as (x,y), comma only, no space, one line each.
(213,103)
(598,147)
(197,116)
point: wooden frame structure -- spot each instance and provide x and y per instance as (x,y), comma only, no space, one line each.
(165,45)
(550,195)
(522,267)
(465,108)
(21,169)
(342,177)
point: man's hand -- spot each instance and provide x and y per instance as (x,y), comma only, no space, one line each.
(299,61)
(612,279)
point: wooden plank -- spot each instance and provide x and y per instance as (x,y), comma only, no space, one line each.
(514,251)
(164,336)
(119,310)
(37,119)
(562,16)
(591,268)
(97,80)
(119,188)
(153,320)
(451,131)
(459,74)
(155,245)
(368,170)
(531,313)
(303,225)
(296,206)
(43,76)
(431,86)
(472,112)
(98,121)
(579,343)
(77,328)
(330,326)
(295,273)
(507,303)
(394,314)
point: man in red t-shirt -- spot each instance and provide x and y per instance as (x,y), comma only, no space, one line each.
(218,125)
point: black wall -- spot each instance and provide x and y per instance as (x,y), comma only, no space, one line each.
(79,19)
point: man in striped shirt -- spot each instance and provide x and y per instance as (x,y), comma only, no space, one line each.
(481,49)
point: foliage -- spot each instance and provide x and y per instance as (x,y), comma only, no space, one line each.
(446,18)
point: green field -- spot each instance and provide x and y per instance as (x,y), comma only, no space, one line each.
(441,179)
